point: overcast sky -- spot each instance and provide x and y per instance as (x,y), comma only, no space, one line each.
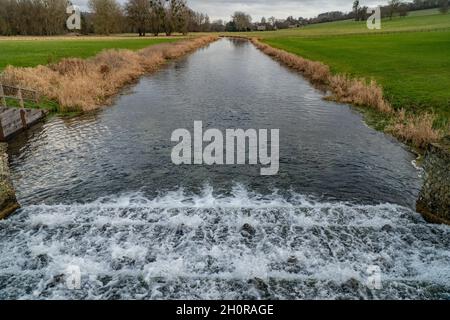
(223,9)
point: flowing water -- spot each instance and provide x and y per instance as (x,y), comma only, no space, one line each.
(100,192)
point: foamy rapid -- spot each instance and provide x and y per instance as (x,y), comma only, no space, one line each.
(243,245)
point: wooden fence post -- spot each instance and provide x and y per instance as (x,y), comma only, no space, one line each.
(23,118)
(36,97)
(2,95)
(19,95)
(2,136)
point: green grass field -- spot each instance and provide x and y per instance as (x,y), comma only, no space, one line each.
(31,52)
(409,57)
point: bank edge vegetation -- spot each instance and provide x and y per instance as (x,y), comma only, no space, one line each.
(86,84)
(416,129)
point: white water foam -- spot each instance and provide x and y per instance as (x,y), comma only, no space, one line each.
(243,245)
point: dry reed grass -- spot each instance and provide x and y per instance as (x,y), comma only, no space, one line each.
(416,130)
(317,72)
(358,92)
(86,84)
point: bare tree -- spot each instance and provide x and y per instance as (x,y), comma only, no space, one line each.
(54,18)
(176,17)
(272,22)
(32,17)
(217,26)
(107,16)
(48,17)
(157,16)
(242,21)
(356,10)
(139,14)
(393,7)
(180,15)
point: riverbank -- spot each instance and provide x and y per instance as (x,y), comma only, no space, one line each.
(86,84)
(28,51)
(407,59)
(416,130)
(8,201)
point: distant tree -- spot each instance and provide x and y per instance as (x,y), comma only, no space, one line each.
(139,15)
(242,21)
(443,6)
(5,28)
(33,17)
(291,21)
(363,15)
(198,21)
(403,10)
(157,16)
(87,24)
(179,15)
(356,9)
(174,15)
(393,7)
(107,16)
(53,16)
(230,26)
(217,26)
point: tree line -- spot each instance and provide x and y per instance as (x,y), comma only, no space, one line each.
(33,17)
(48,17)
(241,21)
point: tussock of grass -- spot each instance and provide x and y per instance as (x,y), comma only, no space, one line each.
(415,129)
(78,84)
(315,71)
(358,92)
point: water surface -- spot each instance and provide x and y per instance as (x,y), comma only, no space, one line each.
(100,191)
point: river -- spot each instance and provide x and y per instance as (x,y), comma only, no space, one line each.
(99,192)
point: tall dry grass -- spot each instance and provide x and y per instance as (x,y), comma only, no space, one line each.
(358,92)
(416,130)
(86,84)
(317,72)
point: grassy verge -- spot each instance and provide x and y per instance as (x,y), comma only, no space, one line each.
(86,84)
(424,20)
(412,68)
(30,52)
(47,104)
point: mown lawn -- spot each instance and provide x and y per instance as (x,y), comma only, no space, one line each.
(413,68)
(29,53)
(409,57)
(424,20)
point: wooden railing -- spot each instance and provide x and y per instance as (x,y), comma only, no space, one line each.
(14,120)
(16,93)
